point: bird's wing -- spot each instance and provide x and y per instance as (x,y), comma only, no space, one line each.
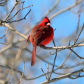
(41,34)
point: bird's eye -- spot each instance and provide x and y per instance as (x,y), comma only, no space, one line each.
(46,23)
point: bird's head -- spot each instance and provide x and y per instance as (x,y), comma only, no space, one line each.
(45,22)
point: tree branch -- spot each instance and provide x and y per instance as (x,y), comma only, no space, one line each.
(64,76)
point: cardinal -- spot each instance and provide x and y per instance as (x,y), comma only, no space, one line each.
(41,35)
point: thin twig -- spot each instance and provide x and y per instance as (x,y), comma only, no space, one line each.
(4,34)
(13,9)
(55,14)
(63,47)
(19,11)
(54,6)
(8,26)
(36,55)
(22,74)
(17,20)
(76,54)
(64,76)
(44,73)
(54,60)
(79,33)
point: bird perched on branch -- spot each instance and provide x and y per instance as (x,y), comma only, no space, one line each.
(41,35)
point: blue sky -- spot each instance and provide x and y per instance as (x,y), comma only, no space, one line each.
(65,24)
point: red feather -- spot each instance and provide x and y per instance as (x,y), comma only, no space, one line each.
(41,34)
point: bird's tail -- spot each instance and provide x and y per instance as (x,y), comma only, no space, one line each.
(33,55)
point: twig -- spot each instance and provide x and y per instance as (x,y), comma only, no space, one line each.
(4,34)
(63,62)
(16,20)
(20,50)
(54,60)
(55,14)
(79,33)
(36,55)
(7,80)
(3,2)
(80,42)
(13,9)
(5,48)
(63,47)
(22,73)
(44,73)
(3,43)
(7,29)
(76,54)
(64,76)
(54,6)
(19,11)
(8,26)
(48,71)
(75,40)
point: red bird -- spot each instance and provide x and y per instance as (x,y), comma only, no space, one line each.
(41,34)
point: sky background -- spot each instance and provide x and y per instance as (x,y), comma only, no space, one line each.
(65,25)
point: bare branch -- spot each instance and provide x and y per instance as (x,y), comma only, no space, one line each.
(44,73)
(22,73)
(76,54)
(63,47)
(64,76)
(68,8)
(8,26)
(3,2)
(54,60)
(12,10)
(54,6)
(4,34)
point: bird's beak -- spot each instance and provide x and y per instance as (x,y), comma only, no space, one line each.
(48,24)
